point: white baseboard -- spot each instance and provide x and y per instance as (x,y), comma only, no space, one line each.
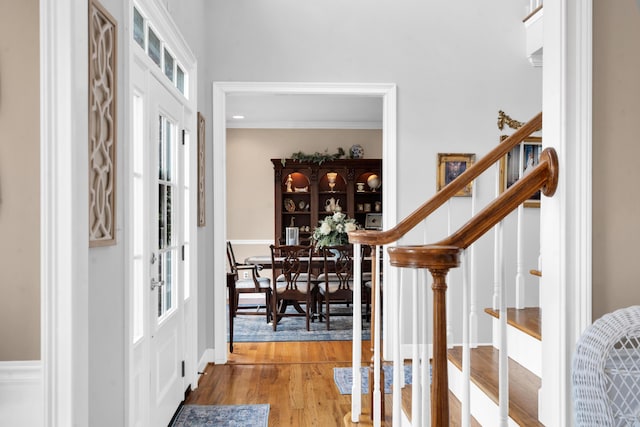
(207,357)
(21,393)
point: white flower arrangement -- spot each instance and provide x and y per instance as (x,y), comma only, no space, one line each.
(333,230)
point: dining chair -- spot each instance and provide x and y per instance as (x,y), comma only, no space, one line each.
(294,284)
(253,284)
(335,283)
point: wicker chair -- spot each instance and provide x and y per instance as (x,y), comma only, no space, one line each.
(606,371)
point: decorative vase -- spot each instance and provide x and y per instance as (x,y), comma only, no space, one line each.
(356,151)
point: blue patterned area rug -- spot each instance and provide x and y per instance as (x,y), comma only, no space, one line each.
(222,416)
(343,377)
(256,328)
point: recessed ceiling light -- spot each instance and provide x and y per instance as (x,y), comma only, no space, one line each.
(238,117)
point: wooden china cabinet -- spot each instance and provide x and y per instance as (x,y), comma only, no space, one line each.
(304,194)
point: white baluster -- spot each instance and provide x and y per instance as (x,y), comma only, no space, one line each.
(503,360)
(377,394)
(465,416)
(496,267)
(473,311)
(520,242)
(398,362)
(425,365)
(356,389)
(448,296)
(416,397)
(428,327)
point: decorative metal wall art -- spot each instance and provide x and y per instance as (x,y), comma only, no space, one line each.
(102,125)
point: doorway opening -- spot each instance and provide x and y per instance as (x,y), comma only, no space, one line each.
(221,94)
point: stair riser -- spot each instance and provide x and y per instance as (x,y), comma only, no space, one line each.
(523,348)
(483,409)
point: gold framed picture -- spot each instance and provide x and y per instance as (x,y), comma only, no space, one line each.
(452,165)
(518,162)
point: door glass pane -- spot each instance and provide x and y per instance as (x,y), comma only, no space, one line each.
(138,27)
(180,79)
(154,47)
(161,156)
(168,149)
(168,64)
(165,275)
(160,293)
(167,244)
(168,281)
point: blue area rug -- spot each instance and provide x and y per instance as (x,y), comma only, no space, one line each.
(256,329)
(343,377)
(223,416)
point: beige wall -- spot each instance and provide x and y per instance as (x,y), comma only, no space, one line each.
(19,182)
(250,173)
(616,151)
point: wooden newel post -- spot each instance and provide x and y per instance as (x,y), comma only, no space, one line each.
(438,259)
(440,380)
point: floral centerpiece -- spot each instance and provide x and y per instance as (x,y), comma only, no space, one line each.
(333,230)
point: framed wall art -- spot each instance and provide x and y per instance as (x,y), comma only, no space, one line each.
(452,165)
(519,161)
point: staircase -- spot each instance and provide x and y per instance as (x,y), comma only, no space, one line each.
(494,387)
(524,339)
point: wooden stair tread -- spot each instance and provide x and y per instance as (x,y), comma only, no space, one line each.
(527,319)
(523,385)
(454,408)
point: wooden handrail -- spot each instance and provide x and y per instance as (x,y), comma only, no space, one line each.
(371,237)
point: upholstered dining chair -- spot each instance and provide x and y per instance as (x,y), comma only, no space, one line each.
(294,284)
(254,284)
(335,283)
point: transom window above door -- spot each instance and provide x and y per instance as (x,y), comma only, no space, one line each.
(146,37)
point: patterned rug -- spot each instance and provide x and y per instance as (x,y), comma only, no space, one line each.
(256,329)
(343,377)
(222,416)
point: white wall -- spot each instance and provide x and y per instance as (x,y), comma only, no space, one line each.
(107,279)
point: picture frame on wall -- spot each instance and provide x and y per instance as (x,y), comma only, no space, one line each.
(373,221)
(452,165)
(513,165)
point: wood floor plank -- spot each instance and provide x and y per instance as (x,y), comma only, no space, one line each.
(295,379)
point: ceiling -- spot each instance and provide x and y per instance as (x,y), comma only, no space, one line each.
(316,111)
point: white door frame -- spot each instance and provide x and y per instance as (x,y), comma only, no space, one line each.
(64,241)
(221,90)
(566,226)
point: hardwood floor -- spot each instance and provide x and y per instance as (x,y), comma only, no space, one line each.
(294,378)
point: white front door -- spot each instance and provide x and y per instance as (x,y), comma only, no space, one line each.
(166,267)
